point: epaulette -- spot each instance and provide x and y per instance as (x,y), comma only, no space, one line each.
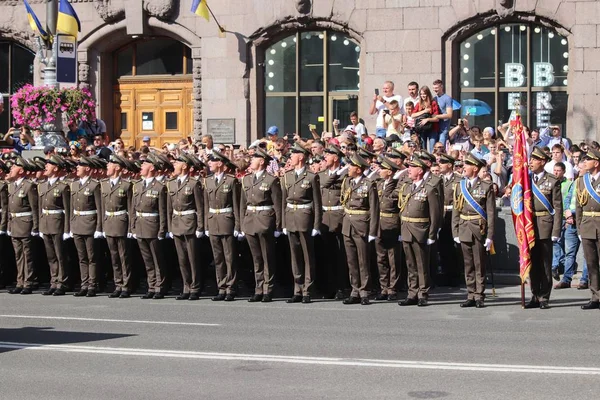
(551,175)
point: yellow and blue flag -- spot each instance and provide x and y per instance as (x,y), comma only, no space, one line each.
(199,7)
(67,22)
(34,22)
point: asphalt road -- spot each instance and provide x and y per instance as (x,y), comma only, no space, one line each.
(99,348)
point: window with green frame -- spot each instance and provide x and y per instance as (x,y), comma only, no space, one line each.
(514,65)
(302,72)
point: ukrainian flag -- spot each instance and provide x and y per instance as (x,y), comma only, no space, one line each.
(34,22)
(67,22)
(199,7)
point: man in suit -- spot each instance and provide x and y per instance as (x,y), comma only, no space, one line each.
(185,216)
(260,219)
(387,244)
(473,227)
(86,224)
(547,223)
(222,222)
(360,226)
(420,220)
(302,214)
(587,214)
(117,214)
(334,253)
(23,223)
(55,223)
(450,257)
(150,225)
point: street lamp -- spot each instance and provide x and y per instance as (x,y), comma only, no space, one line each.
(49,61)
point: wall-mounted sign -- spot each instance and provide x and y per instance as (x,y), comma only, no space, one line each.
(66,59)
(222,130)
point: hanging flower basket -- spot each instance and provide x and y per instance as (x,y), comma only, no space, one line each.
(36,106)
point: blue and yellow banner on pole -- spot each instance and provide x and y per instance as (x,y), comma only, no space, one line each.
(200,8)
(67,21)
(34,22)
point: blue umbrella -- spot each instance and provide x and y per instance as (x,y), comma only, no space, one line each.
(475,107)
(456,105)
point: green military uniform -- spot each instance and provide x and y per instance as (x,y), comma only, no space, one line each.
(450,257)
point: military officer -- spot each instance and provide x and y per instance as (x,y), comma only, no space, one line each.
(547,223)
(587,214)
(360,226)
(86,224)
(55,223)
(23,223)
(473,218)
(150,225)
(450,259)
(222,222)
(334,255)
(302,214)
(387,245)
(260,219)
(3,217)
(420,211)
(185,218)
(117,223)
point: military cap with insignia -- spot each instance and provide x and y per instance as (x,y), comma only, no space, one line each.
(11,155)
(151,159)
(3,167)
(120,161)
(39,163)
(260,153)
(417,162)
(540,154)
(86,162)
(218,156)
(358,161)
(426,156)
(472,160)
(364,153)
(165,163)
(21,162)
(446,159)
(298,148)
(593,154)
(333,149)
(57,161)
(198,164)
(184,158)
(386,163)
(396,153)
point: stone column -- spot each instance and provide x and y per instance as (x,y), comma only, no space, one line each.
(197,90)
(83,70)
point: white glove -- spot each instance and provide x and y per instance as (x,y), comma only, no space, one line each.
(399,238)
(579,236)
(284,232)
(97,235)
(104,235)
(134,236)
(2,233)
(66,236)
(199,234)
(276,234)
(488,244)
(554,239)
(430,241)
(41,235)
(457,240)
(8,233)
(71,234)
(206,233)
(34,233)
(315,232)
(236,233)
(342,170)
(241,236)
(129,235)
(160,238)
(169,235)
(371,238)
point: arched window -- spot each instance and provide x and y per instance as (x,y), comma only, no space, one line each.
(311,78)
(156,56)
(510,64)
(16,69)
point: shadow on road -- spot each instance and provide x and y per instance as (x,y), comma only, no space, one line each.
(41,335)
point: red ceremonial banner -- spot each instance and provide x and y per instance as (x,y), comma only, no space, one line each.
(521,199)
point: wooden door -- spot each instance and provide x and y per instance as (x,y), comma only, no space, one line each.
(162,110)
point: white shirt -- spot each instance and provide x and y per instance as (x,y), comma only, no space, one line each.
(148,181)
(538,176)
(300,171)
(19,181)
(219,177)
(52,181)
(114,182)
(569,173)
(260,173)
(418,183)
(83,181)
(357,179)
(380,106)
(413,100)
(182,178)
(333,171)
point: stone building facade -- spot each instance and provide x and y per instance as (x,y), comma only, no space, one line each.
(283,62)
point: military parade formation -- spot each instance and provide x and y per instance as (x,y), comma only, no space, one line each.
(362,210)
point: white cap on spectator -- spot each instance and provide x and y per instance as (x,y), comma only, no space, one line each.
(490,130)
(254,144)
(171,147)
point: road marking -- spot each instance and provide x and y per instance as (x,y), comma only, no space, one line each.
(324,361)
(124,321)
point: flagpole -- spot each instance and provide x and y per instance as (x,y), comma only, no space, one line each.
(522,294)
(221,29)
(51,19)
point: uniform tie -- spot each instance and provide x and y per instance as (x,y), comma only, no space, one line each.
(535,179)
